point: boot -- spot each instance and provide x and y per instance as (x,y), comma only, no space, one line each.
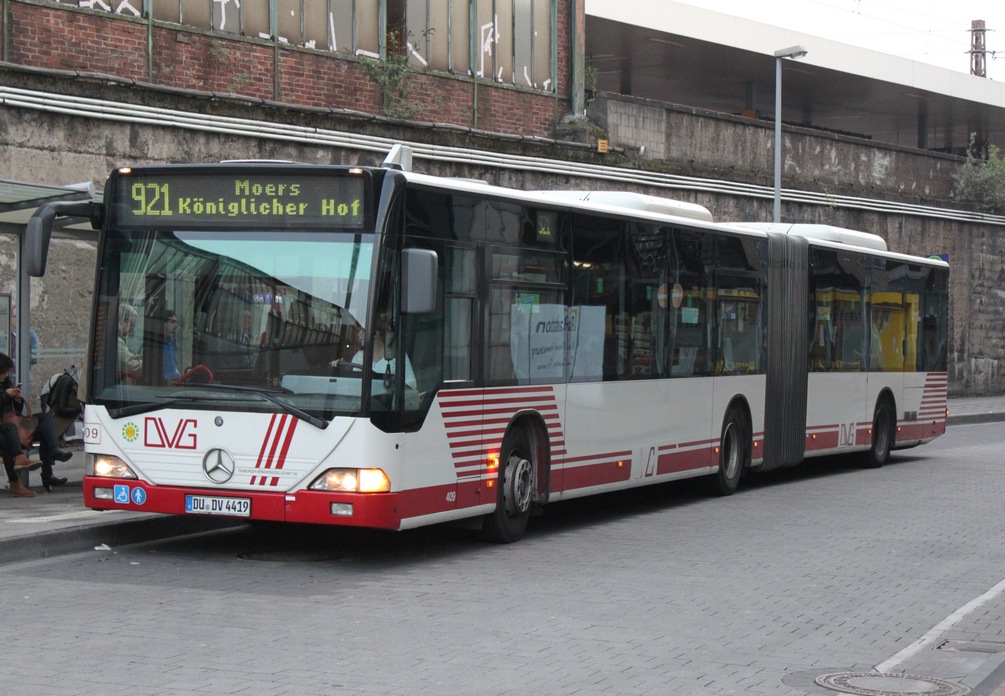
(52,482)
(22,463)
(19,490)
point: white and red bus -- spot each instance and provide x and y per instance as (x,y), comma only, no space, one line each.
(379,348)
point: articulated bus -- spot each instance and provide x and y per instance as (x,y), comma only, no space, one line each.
(374,347)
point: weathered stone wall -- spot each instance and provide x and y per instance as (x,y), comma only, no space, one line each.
(722,146)
(53,148)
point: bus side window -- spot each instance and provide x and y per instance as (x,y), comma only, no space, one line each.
(684,363)
(599,280)
(439,344)
(458,327)
(689,316)
(934,330)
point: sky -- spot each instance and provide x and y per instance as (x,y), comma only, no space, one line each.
(928,31)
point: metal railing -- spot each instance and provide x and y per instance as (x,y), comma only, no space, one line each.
(84,107)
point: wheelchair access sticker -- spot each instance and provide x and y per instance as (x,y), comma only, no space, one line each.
(123,494)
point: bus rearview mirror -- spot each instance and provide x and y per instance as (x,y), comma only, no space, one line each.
(418,267)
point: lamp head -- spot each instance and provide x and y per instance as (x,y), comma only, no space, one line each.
(791,52)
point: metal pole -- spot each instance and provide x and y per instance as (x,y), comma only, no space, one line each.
(791,52)
(778,141)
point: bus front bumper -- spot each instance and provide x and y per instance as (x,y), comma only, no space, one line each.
(374,510)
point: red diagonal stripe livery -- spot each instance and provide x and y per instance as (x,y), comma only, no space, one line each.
(933,398)
(476,421)
(275,447)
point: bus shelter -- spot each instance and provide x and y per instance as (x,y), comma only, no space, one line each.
(18,202)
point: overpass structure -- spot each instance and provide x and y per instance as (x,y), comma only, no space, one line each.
(678,53)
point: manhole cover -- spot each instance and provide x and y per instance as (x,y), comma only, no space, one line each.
(877,684)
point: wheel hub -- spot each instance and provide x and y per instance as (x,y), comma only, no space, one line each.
(730,451)
(519,474)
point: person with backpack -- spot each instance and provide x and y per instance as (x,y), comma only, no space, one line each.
(59,397)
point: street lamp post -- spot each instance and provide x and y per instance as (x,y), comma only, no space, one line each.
(791,52)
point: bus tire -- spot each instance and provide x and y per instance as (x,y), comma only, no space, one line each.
(514,490)
(884,426)
(733,453)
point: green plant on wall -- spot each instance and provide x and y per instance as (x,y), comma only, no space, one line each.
(592,76)
(980,182)
(391,77)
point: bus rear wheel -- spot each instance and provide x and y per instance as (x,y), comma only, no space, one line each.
(733,453)
(514,491)
(883,429)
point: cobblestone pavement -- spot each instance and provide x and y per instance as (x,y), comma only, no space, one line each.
(960,641)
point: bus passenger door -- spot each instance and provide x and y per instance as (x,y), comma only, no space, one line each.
(462,406)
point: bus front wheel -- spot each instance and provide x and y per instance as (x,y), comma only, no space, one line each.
(514,489)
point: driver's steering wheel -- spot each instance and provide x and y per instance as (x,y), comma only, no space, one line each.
(123,375)
(202,372)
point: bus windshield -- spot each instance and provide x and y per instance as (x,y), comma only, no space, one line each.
(233,319)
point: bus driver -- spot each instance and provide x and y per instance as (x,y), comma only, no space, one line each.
(384,353)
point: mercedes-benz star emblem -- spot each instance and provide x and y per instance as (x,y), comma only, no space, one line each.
(218,465)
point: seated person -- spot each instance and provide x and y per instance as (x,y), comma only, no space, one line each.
(20,430)
(15,461)
(128,361)
(384,358)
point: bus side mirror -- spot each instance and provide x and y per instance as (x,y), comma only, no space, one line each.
(36,236)
(38,232)
(418,267)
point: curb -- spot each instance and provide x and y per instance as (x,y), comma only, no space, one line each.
(975,418)
(62,542)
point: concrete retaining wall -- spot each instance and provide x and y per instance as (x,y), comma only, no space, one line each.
(61,149)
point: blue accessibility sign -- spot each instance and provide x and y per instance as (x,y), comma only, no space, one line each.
(121,494)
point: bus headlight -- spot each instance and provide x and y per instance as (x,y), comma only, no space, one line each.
(108,466)
(352,481)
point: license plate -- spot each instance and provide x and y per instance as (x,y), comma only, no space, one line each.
(218,505)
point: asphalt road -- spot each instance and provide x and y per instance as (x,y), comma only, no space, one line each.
(822,571)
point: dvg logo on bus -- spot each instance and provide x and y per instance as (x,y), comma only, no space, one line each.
(218,465)
(157,434)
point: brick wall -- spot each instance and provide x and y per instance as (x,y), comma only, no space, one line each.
(51,37)
(68,38)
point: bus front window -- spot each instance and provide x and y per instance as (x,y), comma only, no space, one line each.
(217,319)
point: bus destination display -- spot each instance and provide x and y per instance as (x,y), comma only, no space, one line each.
(183,200)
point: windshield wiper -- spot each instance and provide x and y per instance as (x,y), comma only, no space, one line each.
(146,407)
(269,395)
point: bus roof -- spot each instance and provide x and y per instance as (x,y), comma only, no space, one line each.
(643,207)
(627,203)
(827,233)
(638,201)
